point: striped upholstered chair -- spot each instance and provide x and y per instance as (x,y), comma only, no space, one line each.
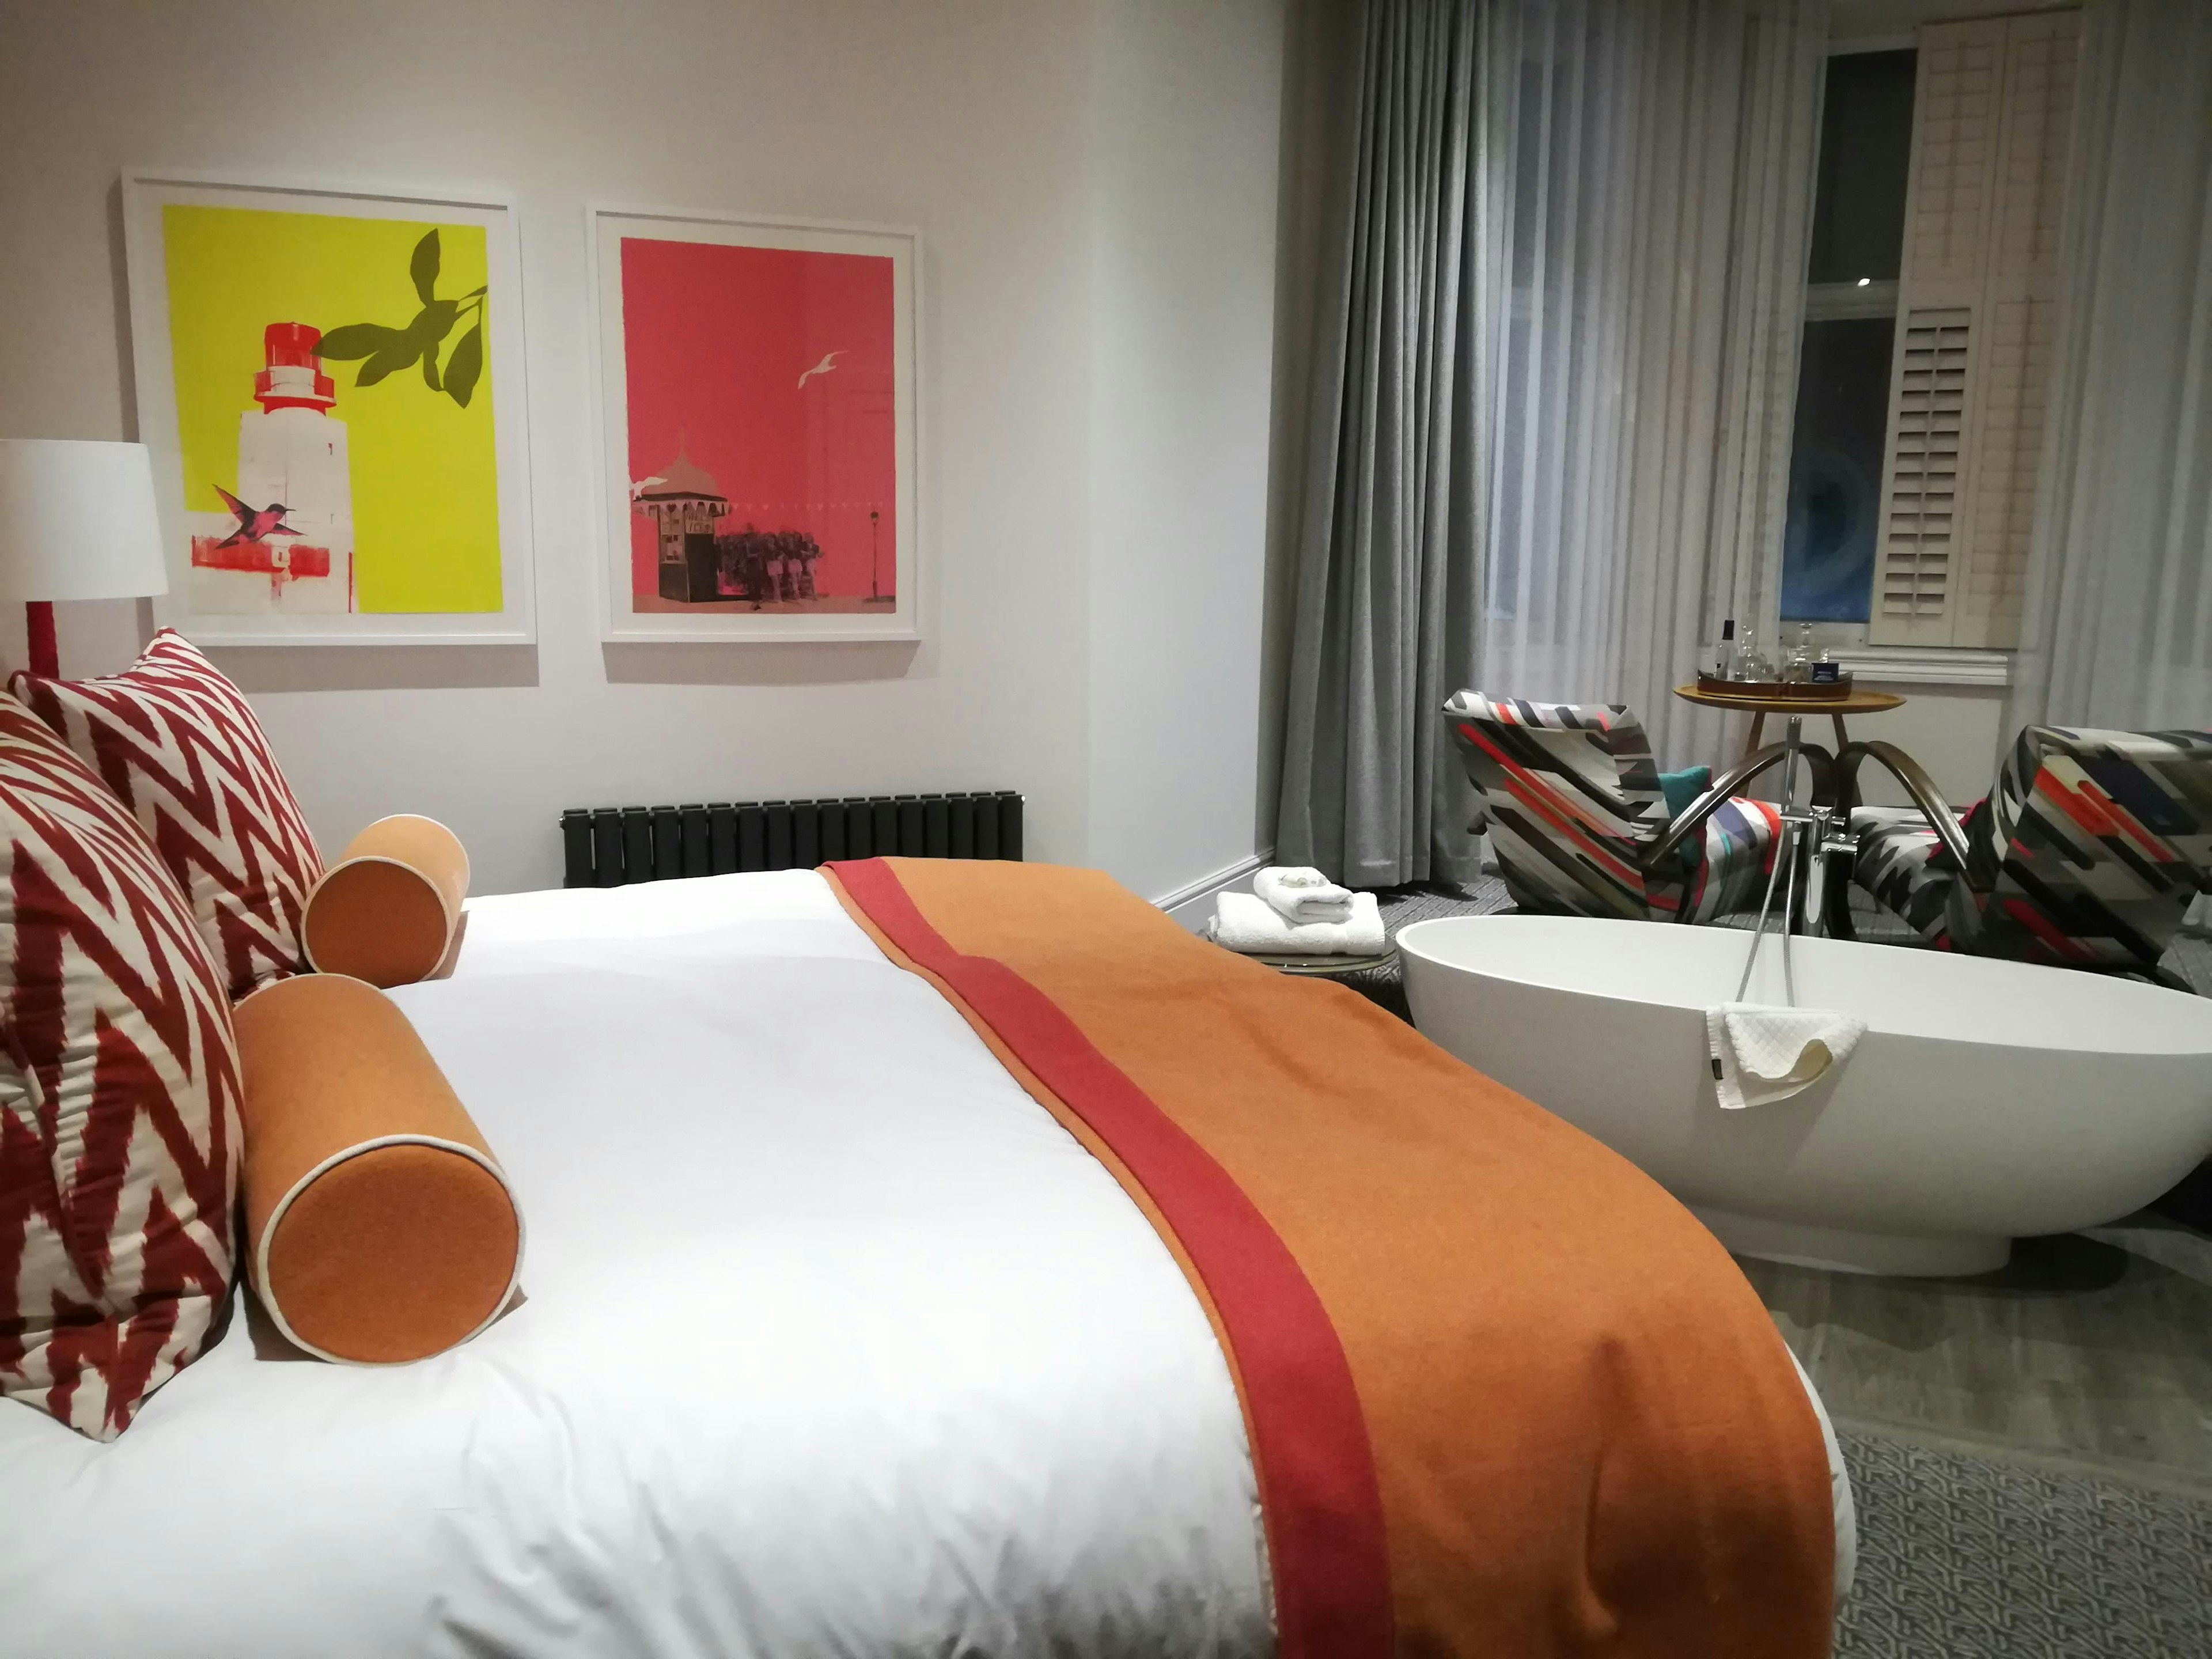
(1577,821)
(2086,855)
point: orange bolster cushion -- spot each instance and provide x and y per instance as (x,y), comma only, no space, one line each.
(387,910)
(379,1226)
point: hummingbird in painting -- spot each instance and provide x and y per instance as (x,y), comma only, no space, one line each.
(255,524)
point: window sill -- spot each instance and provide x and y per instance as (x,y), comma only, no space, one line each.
(1901,666)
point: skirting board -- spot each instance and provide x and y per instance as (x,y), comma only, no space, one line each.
(1192,904)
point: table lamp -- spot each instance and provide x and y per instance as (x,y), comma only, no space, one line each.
(76,522)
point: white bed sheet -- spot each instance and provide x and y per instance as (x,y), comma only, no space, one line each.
(833,1342)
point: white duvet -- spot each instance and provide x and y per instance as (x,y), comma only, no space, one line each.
(833,1342)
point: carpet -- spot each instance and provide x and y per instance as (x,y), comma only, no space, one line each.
(1965,1557)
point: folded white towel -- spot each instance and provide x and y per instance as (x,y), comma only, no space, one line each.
(1300,893)
(1761,1056)
(1248,923)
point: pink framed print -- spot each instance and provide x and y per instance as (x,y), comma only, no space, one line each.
(758,428)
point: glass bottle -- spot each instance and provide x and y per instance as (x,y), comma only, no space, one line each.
(1797,666)
(1751,664)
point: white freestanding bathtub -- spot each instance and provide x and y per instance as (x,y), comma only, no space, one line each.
(1988,1100)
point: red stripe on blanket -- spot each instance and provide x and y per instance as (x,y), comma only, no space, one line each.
(1323,1510)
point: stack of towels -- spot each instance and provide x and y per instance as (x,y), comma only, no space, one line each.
(1297,912)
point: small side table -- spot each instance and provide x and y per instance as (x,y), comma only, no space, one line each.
(1858,703)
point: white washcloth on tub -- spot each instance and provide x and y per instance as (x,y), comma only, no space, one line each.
(1762,1055)
(1248,923)
(1300,893)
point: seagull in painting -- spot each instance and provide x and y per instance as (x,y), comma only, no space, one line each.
(639,488)
(255,524)
(828,361)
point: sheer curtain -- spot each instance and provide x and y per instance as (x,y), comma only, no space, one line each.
(2119,630)
(1550,419)
(1646,289)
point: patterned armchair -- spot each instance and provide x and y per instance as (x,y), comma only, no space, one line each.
(2086,855)
(1579,822)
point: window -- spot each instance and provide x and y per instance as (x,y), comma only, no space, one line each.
(1930,320)
(1850,339)
(1851,328)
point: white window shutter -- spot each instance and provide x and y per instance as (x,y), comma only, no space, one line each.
(2020,305)
(1954,154)
(1993,117)
(1949,192)
(1920,486)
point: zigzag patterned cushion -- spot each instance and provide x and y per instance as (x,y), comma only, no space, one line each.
(179,747)
(118,1099)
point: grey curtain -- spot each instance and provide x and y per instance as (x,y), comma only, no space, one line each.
(1383,606)
(1550,410)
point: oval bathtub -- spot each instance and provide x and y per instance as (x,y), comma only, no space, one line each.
(1987,1101)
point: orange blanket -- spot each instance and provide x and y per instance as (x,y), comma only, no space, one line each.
(1505,1397)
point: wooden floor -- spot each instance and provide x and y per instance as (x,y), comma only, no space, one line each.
(2094,1348)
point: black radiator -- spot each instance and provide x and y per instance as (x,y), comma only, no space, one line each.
(609,846)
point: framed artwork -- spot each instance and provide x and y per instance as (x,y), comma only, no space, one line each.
(330,382)
(757,428)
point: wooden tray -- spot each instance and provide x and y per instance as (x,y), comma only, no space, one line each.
(1835,690)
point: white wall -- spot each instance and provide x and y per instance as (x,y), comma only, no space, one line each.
(996,127)
(1186,125)
(1955,732)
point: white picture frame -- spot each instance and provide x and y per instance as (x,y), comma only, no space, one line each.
(205,617)
(628,614)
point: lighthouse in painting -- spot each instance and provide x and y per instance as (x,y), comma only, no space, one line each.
(255,559)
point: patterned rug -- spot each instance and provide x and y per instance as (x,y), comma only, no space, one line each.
(1963,1557)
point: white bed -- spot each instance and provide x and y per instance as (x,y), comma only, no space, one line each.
(833,1342)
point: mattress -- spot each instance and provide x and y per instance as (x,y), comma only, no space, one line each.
(831,1341)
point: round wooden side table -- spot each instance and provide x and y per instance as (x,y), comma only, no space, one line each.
(1858,703)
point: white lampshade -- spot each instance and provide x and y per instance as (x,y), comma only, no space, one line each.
(77,521)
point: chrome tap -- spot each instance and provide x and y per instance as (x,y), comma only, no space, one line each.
(1808,836)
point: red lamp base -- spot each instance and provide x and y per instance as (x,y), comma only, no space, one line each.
(39,625)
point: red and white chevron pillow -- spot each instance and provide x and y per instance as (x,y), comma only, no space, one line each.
(118,1099)
(179,747)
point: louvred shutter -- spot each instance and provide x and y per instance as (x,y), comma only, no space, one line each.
(1976,323)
